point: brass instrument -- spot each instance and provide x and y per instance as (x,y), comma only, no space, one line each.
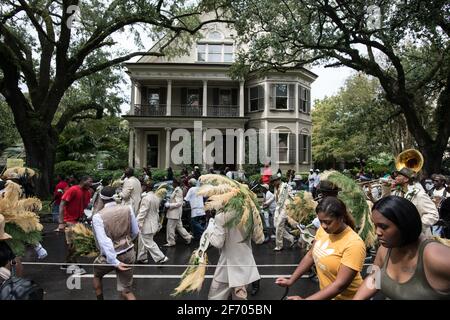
(411,159)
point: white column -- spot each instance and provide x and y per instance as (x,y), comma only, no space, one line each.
(168,132)
(137,149)
(169,98)
(138,99)
(266,98)
(132,98)
(204,148)
(297,153)
(296,102)
(131,148)
(241,98)
(205,98)
(241,149)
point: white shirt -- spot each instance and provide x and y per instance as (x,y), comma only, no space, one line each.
(229,174)
(104,242)
(311,179)
(269,199)
(196,202)
(440,193)
(316,181)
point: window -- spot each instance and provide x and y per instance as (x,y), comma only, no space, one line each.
(193,97)
(201,52)
(215,52)
(304,144)
(281,96)
(304,103)
(225,98)
(153,97)
(283,147)
(227,53)
(152,150)
(256,98)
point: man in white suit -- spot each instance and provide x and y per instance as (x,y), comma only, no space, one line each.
(413,191)
(236,267)
(174,211)
(131,190)
(148,223)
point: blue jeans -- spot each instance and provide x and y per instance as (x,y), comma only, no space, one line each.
(55,212)
(198,226)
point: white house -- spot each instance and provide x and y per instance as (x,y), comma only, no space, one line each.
(169,95)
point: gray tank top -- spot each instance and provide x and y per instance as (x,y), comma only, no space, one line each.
(416,288)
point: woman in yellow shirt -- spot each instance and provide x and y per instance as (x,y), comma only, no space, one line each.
(338,253)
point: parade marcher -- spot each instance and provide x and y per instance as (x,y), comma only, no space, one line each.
(338,253)
(230,278)
(115,227)
(131,190)
(197,210)
(266,174)
(71,211)
(60,188)
(196,173)
(316,182)
(269,206)
(409,266)
(311,179)
(438,194)
(169,175)
(413,191)
(282,193)
(228,173)
(148,222)
(174,212)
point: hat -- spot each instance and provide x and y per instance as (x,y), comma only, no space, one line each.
(327,186)
(196,167)
(311,170)
(265,186)
(440,177)
(3,234)
(192,182)
(274,177)
(407,172)
(317,170)
(107,193)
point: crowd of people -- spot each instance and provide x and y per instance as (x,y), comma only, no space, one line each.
(125,219)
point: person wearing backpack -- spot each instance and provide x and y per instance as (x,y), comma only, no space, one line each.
(11,286)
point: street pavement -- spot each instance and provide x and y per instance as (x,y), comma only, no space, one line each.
(157,282)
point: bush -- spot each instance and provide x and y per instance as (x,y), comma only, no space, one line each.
(68,168)
(159,175)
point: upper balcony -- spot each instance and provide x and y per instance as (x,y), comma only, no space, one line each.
(188,99)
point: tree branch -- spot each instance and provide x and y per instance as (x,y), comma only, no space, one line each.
(74,111)
(35,23)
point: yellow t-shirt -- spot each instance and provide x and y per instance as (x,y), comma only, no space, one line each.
(332,250)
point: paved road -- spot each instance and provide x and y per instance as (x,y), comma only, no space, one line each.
(157,282)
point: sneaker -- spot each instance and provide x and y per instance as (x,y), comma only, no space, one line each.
(141,261)
(163,260)
(277,249)
(273,237)
(189,241)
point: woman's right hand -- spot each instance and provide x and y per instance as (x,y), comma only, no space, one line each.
(283,282)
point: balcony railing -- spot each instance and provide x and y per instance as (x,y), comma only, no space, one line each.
(148,110)
(183,110)
(223,111)
(187,110)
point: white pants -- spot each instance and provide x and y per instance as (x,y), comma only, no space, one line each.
(146,243)
(280,232)
(221,291)
(175,224)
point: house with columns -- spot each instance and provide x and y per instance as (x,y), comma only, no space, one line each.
(171,94)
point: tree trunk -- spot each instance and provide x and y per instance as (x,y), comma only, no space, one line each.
(40,147)
(432,159)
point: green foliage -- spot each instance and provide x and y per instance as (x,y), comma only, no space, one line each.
(255,177)
(9,134)
(68,168)
(20,239)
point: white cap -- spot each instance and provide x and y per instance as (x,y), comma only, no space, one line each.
(265,186)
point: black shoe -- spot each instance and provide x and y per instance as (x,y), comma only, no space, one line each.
(255,288)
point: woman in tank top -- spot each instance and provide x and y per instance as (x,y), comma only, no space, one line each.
(408,266)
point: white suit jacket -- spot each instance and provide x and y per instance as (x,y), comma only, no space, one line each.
(236,264)
(148,216)
(426,207)
(131,193)
(176,204)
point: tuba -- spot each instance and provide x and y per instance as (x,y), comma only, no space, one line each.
(411,159)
